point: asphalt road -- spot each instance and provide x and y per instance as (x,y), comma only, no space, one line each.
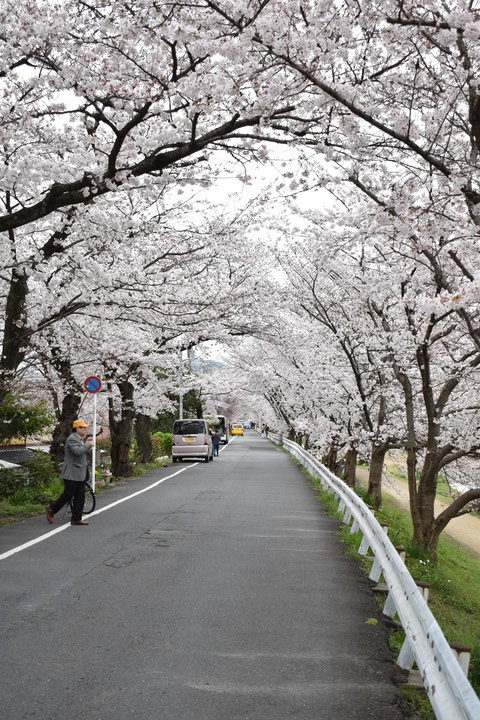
(222,593)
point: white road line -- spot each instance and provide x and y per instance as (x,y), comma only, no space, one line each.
(139,492)
(45,536)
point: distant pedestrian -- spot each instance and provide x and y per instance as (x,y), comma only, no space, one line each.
(216,437)
(266,430)
(74,473)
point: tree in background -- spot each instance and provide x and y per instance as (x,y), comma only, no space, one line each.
(21,420)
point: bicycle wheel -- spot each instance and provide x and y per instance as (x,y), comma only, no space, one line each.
(90,500)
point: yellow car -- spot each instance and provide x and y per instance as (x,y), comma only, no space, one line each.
(236,429)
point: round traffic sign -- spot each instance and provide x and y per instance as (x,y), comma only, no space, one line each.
(93,384)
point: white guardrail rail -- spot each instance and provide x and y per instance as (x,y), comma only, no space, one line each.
(451,695)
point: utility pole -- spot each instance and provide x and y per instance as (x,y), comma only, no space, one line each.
(180,390)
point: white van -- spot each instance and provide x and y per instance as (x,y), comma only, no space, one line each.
(191,439)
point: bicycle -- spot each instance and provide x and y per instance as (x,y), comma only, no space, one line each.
(90,500)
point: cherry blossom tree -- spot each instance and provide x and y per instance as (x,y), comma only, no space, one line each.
(98,95)
(387,301)
(100,100)
(177,283)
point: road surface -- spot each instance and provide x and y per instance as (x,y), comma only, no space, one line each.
(220,593)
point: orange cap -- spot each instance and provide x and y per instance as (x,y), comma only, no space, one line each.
(80,423)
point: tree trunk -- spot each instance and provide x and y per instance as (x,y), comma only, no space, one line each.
(330,460)
(426,528)
(456,508)
(65,417)
(411,452)
(377,461)
(424,531)
(143,436)
(13,348)
(69,409)
(412,490)
(431,527)
(121,430)
(350,466)
(120,455)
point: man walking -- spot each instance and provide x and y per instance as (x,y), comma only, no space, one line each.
(74,473)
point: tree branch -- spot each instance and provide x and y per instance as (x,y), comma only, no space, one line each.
(455,507)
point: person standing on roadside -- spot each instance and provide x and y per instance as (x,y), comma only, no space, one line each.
(74,473)
(216,441)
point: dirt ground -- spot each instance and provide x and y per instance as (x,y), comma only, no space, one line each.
(465,529)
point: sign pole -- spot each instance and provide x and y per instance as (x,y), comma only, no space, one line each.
(93,385)
(94,430)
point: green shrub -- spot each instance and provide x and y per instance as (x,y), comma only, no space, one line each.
(157,442)
(31,484)
(104,444)
(162,443)
(22,496)
(167,443)
(54,488)
(42,469)
(11,480)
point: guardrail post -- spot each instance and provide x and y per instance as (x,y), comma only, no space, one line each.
(424,589)
(462,653)
(364,545)
(341,506)
(376,569)
(406,657)
(354,527)
(402,552)
(347,516)
(389,609)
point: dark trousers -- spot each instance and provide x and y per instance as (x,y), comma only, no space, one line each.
(215,449)
(73,489)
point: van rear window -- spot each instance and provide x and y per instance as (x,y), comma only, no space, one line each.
(188,427)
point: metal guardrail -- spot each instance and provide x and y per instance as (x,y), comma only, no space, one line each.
(451,695)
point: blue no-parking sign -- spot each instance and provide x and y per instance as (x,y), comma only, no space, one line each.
(93,384)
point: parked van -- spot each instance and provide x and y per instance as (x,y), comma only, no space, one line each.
(191,439)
